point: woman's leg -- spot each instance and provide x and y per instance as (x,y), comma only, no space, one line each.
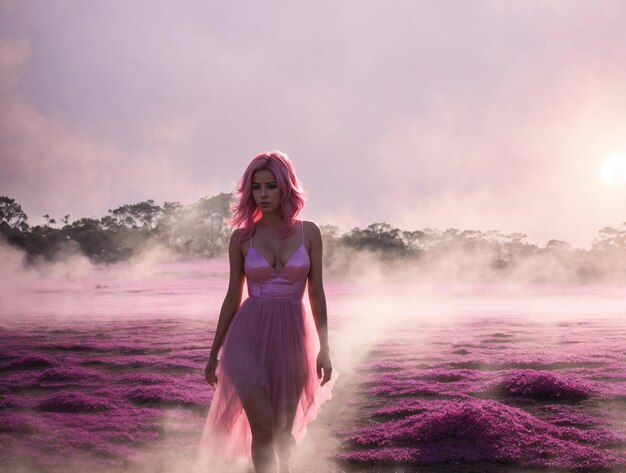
(285,441)
(258,408)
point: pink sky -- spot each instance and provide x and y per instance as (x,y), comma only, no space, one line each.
(475,115)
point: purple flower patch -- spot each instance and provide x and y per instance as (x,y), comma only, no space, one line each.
(544,385)
(75,402)
(479,431)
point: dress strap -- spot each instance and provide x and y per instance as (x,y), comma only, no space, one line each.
(302,230)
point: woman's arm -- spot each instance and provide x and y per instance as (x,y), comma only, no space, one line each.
(229,306)
(318,301)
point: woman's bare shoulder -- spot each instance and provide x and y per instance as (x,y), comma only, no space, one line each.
(235,242)
(310,226)
(311,230)
(234,236)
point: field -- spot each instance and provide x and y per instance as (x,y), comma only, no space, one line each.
(103,371)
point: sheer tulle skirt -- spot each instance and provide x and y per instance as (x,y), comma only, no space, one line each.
(271,343)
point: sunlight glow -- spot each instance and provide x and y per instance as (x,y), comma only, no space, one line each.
(614,170)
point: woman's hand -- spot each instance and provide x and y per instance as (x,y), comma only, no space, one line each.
(209,371)
(323,363)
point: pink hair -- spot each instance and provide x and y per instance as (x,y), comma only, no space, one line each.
(246,213)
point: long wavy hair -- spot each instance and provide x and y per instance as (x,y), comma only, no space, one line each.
(246,213)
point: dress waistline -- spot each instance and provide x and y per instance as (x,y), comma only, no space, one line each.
(287,298)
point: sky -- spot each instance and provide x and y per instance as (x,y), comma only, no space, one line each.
(477,115)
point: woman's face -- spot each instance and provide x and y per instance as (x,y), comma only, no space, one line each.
(265,190)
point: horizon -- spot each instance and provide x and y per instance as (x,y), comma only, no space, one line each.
(58,224)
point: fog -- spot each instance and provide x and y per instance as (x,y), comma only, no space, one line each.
(378,316)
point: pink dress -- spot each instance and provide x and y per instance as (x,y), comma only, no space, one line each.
(271,342)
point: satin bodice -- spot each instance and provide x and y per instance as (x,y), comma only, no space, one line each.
(264,281)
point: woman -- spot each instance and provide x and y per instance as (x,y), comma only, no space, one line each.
(267,376)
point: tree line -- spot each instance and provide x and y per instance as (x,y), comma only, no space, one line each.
(200,230)
(188,230)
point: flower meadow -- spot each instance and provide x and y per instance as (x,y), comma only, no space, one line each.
(483,399)
(99,393)
(105,373)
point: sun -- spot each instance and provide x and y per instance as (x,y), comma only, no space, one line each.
(613,170)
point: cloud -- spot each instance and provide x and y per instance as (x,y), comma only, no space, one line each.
(51,167)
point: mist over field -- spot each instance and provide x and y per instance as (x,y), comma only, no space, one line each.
(456,348)
(147,231)
(106,363)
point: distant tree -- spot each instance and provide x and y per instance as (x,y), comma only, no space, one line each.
(169,229)
(376,237)
(558,245)
(170,208)
(12,217)
(109,223)
(216,207)
(96,242)
(451,240)
(430,238)
(199,229)
(329,232)
(412,239)
(332,245)
(611,239)
(513,247)
(143,215)
(43,241)
(49,220)
(214,232)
